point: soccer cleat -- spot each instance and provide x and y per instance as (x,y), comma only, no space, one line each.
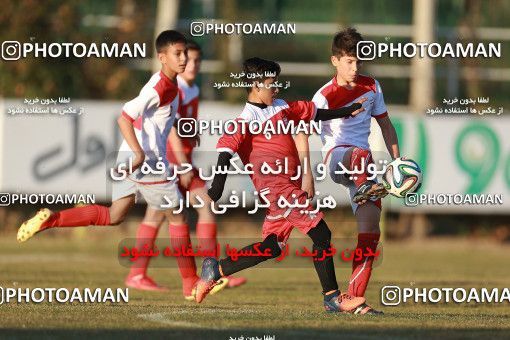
(343,303)
(208,278)
(143,282)
(369,190)
(365,309)
(228,282)
(235,281)
(33,226)
(191,297)
(189,294)
(220,284)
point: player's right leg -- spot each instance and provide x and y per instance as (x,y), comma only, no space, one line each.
(367,214)
(334,301)
(180,239)
(206,229)
(213,270)
(367,217)
(76,217)
(358,158)
(158,196)
(145,237)
(206,223)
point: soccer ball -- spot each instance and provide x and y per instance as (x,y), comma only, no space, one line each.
(402,176)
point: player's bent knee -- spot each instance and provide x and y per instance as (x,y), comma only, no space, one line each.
(369,228)
(117,216)
(271,242)
(179,218)
(321,235)
(359,154)
(368,217)
(116,220)
(205,215)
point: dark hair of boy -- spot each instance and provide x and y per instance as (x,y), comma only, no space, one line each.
(191,45)
(169,37)
(261,66)
(345,42)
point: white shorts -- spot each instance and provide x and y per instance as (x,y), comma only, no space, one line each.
(336,156)
(156,195)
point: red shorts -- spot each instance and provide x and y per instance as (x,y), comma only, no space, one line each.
(282,221)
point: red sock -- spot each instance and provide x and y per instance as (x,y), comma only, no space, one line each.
(79,217)
(145,235)
(179,236)
(361,269)
(360,158)
(206,235)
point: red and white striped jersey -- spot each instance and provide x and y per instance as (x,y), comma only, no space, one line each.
(188,108)
(350,130)
(259,148)
(153,113)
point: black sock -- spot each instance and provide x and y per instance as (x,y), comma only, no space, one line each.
(217,274)
(229,266)
(321,237)
(331,296)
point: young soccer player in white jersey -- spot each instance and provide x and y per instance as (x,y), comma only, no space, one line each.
(179,151)
(345,141)
(156,106)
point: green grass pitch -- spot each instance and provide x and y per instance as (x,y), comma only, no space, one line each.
(284,303)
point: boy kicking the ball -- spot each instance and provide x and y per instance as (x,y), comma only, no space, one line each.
(345,141)
(258,148)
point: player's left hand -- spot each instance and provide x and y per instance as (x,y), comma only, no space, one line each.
(361,101)
(308,185)
(138,161)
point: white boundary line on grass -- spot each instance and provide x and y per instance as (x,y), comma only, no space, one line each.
(166,319)
(163,319)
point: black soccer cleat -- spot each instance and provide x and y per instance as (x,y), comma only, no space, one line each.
(369,190)
(365,309)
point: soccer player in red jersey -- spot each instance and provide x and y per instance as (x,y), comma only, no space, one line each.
(345,142)
(179,151)
(156,106)
(256,149)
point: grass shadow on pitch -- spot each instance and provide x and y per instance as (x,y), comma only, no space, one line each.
(297,333)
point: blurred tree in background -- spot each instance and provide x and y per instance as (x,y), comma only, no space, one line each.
(133,21)
(63,21)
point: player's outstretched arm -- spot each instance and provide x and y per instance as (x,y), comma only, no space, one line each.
(219,180)
(390,136)
(348,111)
